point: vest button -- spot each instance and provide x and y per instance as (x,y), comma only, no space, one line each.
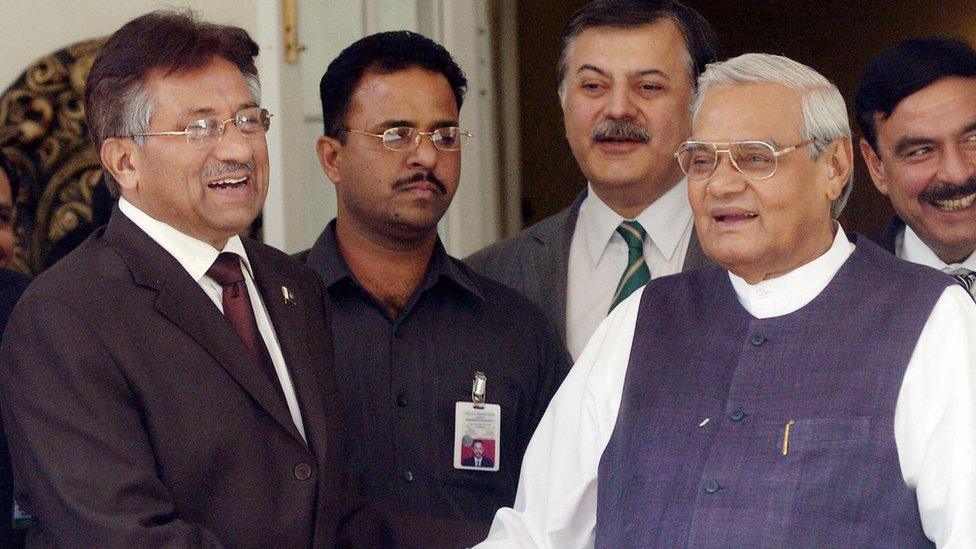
(757,339)
(711,486)
(401,399)
(737,415)
(408,476)
(303,471)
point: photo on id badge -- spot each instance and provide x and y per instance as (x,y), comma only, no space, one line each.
(476,444)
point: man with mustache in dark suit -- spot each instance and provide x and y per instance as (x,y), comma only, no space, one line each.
(916,106)
(169,383)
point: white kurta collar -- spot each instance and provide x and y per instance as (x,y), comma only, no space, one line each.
(788,293)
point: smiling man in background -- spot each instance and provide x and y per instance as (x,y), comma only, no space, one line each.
(626,75)
(916,106)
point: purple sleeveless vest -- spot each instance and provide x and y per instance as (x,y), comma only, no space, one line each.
(834,368)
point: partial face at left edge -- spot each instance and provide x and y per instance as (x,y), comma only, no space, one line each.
(7,219)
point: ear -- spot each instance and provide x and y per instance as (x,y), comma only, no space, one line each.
(875,167)
(117,157)
(840,164)
(329,151)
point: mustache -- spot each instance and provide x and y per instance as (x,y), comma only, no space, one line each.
(226,168)
(616,130)
(948,192)
(417,178)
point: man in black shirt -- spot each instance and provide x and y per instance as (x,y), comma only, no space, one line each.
(414,327)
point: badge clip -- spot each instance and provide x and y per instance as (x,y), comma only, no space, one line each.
(479,387)
(289,296)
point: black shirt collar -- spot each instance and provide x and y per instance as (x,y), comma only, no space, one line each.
(325,259)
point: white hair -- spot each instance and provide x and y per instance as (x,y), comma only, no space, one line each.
(824,111)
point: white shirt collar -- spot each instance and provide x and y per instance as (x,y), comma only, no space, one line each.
(196,256)
(913,249)
(790,292)
(664,220)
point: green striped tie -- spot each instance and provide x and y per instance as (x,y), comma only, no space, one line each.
(637,273)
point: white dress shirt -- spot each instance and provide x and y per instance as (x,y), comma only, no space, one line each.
(909,246)
(935,417)
(598,256)
(197,257)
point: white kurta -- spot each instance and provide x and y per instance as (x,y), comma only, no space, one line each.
(935,417)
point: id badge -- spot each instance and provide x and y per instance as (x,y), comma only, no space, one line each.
(477,433)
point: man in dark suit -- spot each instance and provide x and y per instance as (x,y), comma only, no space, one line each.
(478,457)
(916,106)
(169,383)
(12,285)
(626,76)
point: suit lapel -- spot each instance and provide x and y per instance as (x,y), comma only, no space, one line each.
(184,303)
(553,262)
(289,318)
(887,238)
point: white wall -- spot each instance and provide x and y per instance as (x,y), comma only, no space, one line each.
(30,29)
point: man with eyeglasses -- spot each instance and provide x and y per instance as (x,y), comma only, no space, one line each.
(790,397)
(626,75)
(916,106)
(167,384)
(416,329)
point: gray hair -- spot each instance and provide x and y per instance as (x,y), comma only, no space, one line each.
(824,111)
(701,43)
(139,107)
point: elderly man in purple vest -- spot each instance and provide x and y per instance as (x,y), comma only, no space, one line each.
(790,397)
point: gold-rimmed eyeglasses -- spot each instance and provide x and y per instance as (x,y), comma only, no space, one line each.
(208,131)
(405,138)
(756,160)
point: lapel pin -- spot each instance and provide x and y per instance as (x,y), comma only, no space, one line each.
(289,296)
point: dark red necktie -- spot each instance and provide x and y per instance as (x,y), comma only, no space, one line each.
(226,271)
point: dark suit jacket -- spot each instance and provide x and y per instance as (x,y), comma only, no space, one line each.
(12,285)
(536,261)
(887,237)
(485,462)
(136,417)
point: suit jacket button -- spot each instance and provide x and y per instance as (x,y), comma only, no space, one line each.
(303,471)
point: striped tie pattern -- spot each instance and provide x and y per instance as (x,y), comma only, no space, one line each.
(637,274)
(967,280)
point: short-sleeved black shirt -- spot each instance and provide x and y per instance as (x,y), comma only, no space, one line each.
(401,377)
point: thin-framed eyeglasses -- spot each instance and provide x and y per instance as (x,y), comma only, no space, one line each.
(405,138)
(756,160)
(208,131)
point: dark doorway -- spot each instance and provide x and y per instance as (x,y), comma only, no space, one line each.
(837,38)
